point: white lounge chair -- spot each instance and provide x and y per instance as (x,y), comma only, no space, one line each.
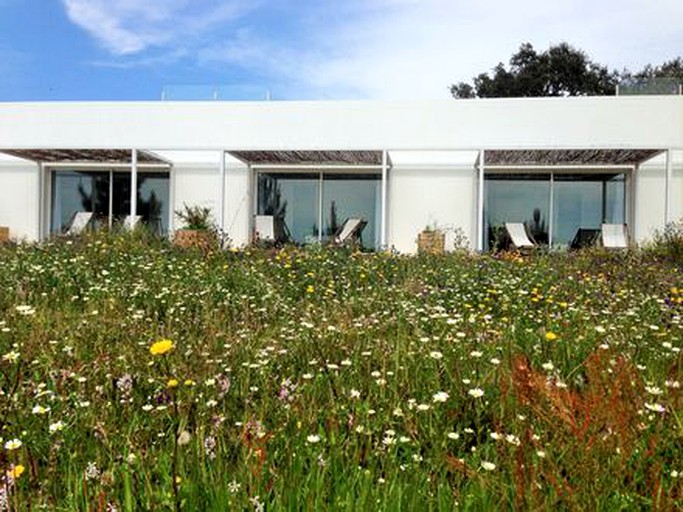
(268,228)
(350,230)
(130,221)
(79,222)
(614,236)
(518,236)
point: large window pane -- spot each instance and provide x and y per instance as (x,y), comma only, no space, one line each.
(516,198)
(582,202)
(74,191)
(615,200)
(153,199)
(347,196)
(292,198)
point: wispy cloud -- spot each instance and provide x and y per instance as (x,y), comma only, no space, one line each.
(372,48)
(126,27)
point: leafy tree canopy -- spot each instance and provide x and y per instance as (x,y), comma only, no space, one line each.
(561,70)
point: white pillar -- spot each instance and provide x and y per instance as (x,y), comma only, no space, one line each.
(630,209)
(133,184)
(551,206)
(221,199)
(320,206)
(383,216)
(480,202)
(41,200)
(110,213)
(667,188)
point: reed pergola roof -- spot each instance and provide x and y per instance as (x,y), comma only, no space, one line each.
(310,157)
(567,157)
(113,156)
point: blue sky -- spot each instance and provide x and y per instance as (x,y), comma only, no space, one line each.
(305,49)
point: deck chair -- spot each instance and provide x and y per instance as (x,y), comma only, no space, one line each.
(268,228)
(130,221)
(79,222)
(614,236)
(518,236)
(585,237)
(350,231)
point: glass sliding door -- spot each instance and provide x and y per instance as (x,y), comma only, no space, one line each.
(352,196)
(315,205)
(154,200)
(152,203)
(292,198)
(521,198)
(76,191)
(582,202)
(107,195)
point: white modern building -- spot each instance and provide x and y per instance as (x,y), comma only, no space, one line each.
(559,165)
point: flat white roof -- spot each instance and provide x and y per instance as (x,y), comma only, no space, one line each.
(624,122)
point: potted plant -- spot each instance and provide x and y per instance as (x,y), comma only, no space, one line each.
(198,230)
(431,240)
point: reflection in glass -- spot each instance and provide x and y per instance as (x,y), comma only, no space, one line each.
(153,200)
(78,192)
(152,203)
(582,203)
(292,198)
(74,191)
(347,196)
(516,198)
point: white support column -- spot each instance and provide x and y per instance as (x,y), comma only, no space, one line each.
(551,205)
(384,210)
(41,200)
(110,215)
(253,201)
(221,199)
(480,201)
(133,183)
(667,188)
(630,207)
(320,206)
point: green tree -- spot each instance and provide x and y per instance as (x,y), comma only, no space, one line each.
(561,70)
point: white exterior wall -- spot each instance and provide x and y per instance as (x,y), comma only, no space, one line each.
(195,185)
(199,185)
(505,123)
(238,205)
(19,199)
(444,197)
(650,187)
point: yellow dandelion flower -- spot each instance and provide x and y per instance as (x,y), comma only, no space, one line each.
(189,382)
(16,471)
(310,288)
(550,336)
(161,347)
(172,383)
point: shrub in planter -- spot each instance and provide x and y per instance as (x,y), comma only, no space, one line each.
(198,230)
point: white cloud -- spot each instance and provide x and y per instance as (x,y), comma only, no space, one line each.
(417,48)
(126,27)
(377,48)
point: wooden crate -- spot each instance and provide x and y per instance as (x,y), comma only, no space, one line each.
(4,234)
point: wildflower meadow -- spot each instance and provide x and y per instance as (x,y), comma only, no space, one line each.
(139,376)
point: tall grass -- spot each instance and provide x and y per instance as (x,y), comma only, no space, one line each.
(327,379)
